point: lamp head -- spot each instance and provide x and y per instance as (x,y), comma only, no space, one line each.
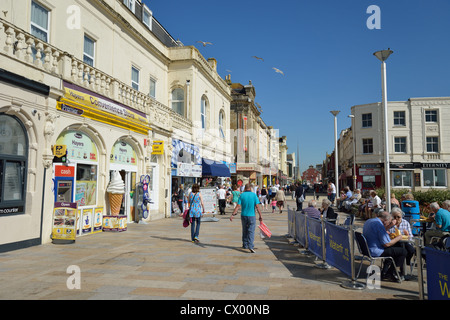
(335,112)
(383,54)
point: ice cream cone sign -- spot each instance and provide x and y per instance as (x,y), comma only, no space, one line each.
(115,190)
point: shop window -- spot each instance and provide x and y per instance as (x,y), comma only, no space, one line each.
(86,185)
(13,165)
(368,182)
(434,178)
(402,178)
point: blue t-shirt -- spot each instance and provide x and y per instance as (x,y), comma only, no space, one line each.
(376,236)
(248,200)
(442,218)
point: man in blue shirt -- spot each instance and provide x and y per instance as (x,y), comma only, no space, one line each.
(248,201)
(381,245)
(442,222)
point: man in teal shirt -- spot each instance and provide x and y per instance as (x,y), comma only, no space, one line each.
(248,201)
(442,222)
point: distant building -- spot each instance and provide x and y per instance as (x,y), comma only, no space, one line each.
(311,176)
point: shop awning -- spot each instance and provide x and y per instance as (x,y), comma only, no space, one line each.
(214,168)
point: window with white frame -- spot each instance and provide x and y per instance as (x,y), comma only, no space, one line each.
(434,177)
(367,120)
(89,51)
(433,144)
(222,124)
(152,92)
(367,146)
(40,21)
(203,113)
(399,118)
(147,17)
(402,178)
(135,78)
(178,101)
(400,144)
(431,116)
(129,4)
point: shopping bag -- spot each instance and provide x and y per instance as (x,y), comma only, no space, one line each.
(186,218)
(262,226)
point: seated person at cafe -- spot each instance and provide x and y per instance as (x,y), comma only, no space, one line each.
(345,198)
(312,211)
(354,199)
(381,245)
(442,222)
(402,227)
(374,205)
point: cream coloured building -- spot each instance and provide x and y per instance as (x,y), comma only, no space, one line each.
(106,80)
(419,148)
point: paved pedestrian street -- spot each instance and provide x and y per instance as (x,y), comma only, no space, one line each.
(158,261)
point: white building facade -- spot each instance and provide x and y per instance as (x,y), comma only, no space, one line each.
(104,79)
(419,143)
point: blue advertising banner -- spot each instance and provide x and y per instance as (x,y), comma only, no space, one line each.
(300,221)
(291,223)
(314,233)
(338,248)
(438,274)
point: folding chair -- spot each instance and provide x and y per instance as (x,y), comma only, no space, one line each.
(364,250)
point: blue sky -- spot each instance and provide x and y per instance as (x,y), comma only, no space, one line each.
(324,49)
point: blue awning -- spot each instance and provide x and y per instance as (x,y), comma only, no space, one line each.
(214,168)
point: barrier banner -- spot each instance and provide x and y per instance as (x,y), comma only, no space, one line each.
(291,223)
(438,274)
(338,248)
(300,220)
(314,232)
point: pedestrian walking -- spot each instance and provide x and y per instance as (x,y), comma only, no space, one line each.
(264,200)
(248,202)
(299,196)
(281,198)
(195,212)
(222,196)
(235,196)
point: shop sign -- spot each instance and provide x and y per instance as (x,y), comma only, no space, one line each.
(436,165)
(189,170)
(11,210)
(64,221)
(79,146)
(59,150)
(158,147)
(369,171)
(123,153)
(64,171)
(245,167)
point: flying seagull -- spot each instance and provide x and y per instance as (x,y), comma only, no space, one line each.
(258,58)
(278,71)
(204,43)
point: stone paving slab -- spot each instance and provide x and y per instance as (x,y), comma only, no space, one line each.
(157,261)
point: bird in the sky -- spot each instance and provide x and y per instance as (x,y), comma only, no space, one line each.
(258,58)
(204,43)
(278,71)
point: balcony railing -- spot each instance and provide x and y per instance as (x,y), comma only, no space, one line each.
(29,50)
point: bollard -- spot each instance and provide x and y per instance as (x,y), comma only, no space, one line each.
(418,244)
(324,264)
(352,284)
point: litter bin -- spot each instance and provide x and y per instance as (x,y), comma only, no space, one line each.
(412,212)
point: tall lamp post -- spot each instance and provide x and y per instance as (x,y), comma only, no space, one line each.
(382,56)
(354,151)
(336,168)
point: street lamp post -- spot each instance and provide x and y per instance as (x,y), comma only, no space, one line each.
(382,56)
(354,151)
(336,168)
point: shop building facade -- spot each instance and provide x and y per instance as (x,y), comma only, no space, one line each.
(419,149)
(72,78)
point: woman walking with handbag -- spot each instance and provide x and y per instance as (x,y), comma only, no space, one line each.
(196,210)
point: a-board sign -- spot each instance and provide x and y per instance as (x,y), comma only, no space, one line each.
(209,200)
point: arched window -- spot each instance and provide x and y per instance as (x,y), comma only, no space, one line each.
(178,101)
(13,165)
(203,110)
(222,124)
